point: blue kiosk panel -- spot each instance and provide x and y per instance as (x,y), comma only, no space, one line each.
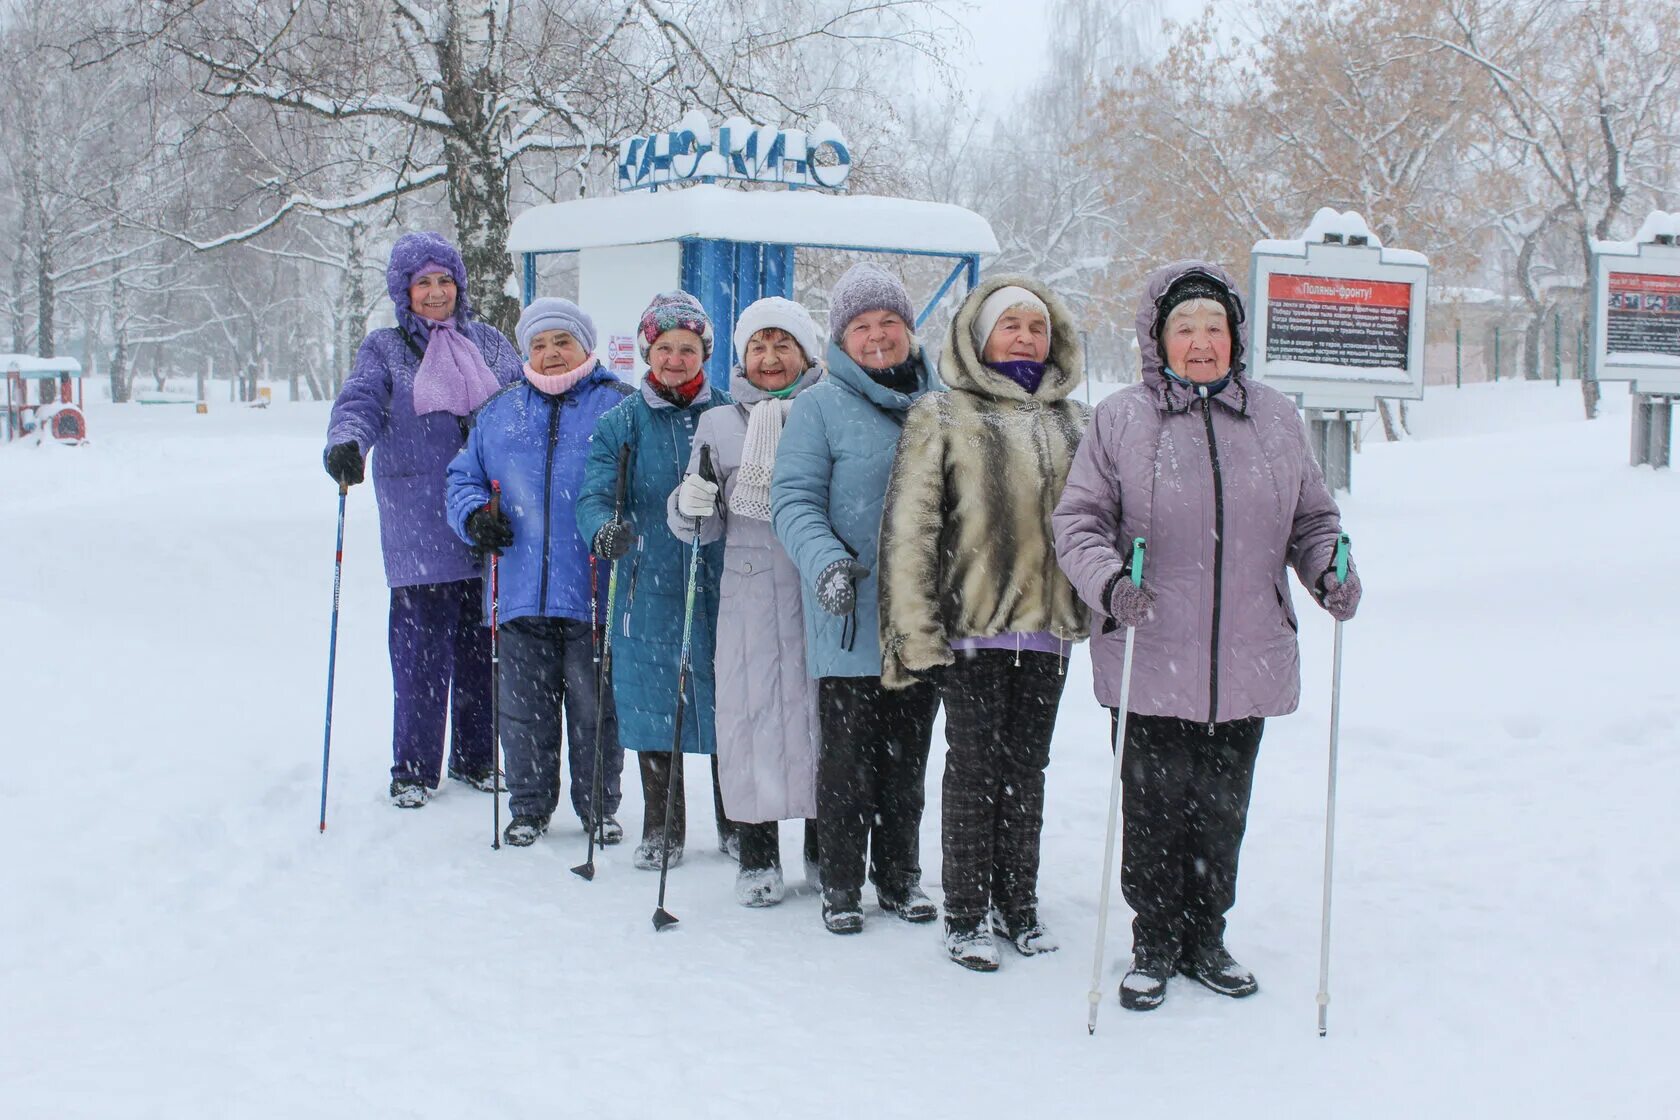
(727,276)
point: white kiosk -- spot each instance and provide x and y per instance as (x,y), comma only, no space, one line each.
(1338,323)
(1636,328)
(674,224)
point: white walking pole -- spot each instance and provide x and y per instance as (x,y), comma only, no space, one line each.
(1095,994)
(1342,545)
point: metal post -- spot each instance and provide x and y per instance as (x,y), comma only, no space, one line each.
(1458,357)
(1652,426)
(1496,355)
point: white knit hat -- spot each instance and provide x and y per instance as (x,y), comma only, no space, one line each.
(783,315)
(1000,301)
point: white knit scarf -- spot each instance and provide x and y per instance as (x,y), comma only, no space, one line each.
(751,497)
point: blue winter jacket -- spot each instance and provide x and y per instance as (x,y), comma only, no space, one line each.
(534,444)
(826,496)
(653,578)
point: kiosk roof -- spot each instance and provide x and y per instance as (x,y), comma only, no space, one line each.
(859,222)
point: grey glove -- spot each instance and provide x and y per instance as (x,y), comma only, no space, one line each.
(1340,598)
(1128,603)
(837,586)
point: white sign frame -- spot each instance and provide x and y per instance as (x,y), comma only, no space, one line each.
(1337,388)
(1655,374)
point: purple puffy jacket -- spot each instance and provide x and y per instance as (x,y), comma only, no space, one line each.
(1220,641)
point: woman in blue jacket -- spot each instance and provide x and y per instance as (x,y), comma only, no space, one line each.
(825,498)
(532,439)
(658,424)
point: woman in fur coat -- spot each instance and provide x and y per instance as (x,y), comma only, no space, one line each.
(972,599)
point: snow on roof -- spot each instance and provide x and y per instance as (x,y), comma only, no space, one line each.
(1346,225)
(28,365)
(777,217)
(1658,223)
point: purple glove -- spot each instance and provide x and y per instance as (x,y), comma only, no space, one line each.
(1340,599)
(1129,604)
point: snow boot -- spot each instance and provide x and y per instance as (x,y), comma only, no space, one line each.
(611,831)
(970,944)
(842,911)
(1144,986)
(729,843)
(484,779)
(522,832)
(1025,932)
(408,793)
(1212,967)
(813,875)
(651,855)
(909,902)
(758,888)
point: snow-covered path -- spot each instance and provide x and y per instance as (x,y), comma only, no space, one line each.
(176,939)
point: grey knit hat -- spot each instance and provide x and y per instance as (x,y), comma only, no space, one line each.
(866,287)
(554,314)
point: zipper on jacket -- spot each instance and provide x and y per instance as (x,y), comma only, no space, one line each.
(548,510)
(1218,562)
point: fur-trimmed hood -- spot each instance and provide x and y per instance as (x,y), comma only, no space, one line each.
(1168,395)
(960,366)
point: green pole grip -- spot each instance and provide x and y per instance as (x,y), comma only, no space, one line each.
(1343,545)
(1137,562)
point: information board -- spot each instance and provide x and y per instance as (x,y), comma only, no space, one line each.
(1636,312)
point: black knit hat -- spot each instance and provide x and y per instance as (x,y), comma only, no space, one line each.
(1200,285)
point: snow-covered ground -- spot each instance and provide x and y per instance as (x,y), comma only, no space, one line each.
(176,940)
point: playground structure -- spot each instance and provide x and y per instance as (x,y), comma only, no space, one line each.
(56,413)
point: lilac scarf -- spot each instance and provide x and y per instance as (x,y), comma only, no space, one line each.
(452,377)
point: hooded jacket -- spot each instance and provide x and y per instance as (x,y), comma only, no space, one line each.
(1225,492)
(375,410)
(966,548)
(825,500)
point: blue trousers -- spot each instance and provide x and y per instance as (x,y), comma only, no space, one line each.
(548,664)
(440,671)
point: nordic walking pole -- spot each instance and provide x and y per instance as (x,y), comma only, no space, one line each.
(1343,545)
(661,916)
(1095,994)
(495,680)
(603,673)
(332,650)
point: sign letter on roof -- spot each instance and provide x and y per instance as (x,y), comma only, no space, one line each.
(740,150)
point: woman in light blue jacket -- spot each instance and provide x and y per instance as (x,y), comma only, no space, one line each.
(826,496)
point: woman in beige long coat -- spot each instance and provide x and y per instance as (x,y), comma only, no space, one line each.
(767,727)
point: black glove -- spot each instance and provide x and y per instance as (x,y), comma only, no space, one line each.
(837,586)
(613,540)
(344,463)
(490,529)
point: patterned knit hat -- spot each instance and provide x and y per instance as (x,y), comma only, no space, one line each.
(673,311)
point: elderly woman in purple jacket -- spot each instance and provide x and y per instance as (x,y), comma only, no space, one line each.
(411,394)
(1214,472)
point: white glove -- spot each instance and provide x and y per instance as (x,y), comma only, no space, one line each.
(696,497)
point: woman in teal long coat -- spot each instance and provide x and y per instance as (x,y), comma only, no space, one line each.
(657,424)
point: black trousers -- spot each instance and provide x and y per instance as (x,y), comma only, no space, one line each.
(1186,808)
(761,845)
(1000,711)
(656,779)
(548,664)
(871,778)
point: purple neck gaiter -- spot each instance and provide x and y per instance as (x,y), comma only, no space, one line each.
(1028,375)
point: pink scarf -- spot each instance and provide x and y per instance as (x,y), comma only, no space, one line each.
(452,376)
(554,384)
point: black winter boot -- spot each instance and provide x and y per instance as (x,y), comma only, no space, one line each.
(842,911)
(1145,985)
(522,832)
(484,779)
(1213,967)
(909,902)
(969,942)
(1025,932)
(408,793)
